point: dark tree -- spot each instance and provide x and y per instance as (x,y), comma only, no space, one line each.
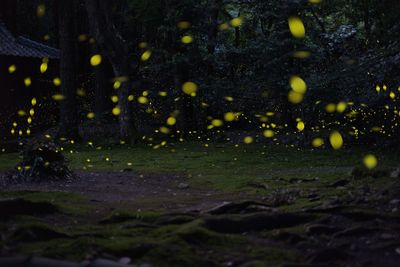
(68,125)
(115,47)
(101,87)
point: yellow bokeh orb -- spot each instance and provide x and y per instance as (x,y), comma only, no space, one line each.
(336,140)
(296,27)
(370,161)
(229,116)
(268,133)
(95,60)
(189,88)
(298,85)
(171,121)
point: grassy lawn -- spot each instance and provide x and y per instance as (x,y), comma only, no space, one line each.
(224,166)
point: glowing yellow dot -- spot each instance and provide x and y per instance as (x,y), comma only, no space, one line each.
(29,120)
(116,111)
(142,45)
(82,37)
(236,22)
(300,126)
(296,27)
(143,100)
(27,81)
(146,55)
(164,130)
(268,133)
(189,88)
(392,95)
(229,116)
(81,92)
(330,108)
(43,67)
(95,60)
(40,10)
(183,25)
(21,113)
(295,98)
(171,121)
(90,115)
(57,81)
(32,112)
(131,98)
(224,26)
(336,140)
(162,93)
(298,85)
(248,140)
(58,97)
(314,1)
(114,99)
(117,85)
(317,142)
(12,68)
(341,107)
(301,54)
(187,39)
(370,161)
(228,98)
(217,123)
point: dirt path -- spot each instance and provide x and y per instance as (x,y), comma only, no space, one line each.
(156,191)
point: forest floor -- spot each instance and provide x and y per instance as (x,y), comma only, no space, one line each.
(220,205)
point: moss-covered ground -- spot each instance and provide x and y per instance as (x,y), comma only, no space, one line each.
(292,190)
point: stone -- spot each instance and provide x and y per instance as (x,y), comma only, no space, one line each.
(395,173)
(395,201)
(125,260)
(183,185)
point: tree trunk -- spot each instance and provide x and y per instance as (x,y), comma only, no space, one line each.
(115,48)
(68,126)
(8,13)
(185,105)
(101,87)
(213,30)
(367,23)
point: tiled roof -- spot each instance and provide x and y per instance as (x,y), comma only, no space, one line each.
(23,47)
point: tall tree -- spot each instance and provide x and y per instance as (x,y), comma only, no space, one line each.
(68,126)
(102,87)
(8,14)
(115,47)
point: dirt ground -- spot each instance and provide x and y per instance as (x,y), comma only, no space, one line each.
(204,227)
(151,191)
